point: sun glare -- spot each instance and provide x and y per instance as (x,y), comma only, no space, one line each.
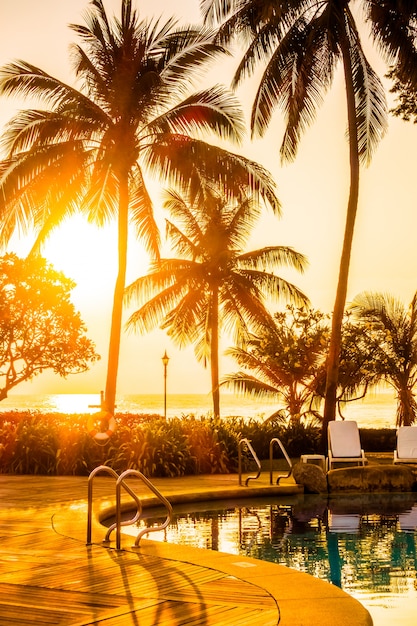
(89,255)
(76,403)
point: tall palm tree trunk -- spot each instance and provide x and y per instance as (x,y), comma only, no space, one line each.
(117,312)
(341,293)
(214,352)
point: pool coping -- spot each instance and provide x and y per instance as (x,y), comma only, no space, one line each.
(301,598)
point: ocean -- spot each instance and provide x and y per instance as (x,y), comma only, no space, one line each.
(377,410)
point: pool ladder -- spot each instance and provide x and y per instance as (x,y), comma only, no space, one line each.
(247,443)
(121,482)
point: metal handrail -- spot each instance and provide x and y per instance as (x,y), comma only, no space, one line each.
(120,482)
(164,501)
(287,458)
(128,522)
(253,453)
(93,473)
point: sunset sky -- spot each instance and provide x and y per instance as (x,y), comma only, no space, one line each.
(313,192)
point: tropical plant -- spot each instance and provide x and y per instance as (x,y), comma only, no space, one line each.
(286,359)
(406,94)
(212,283)
(90,149)
(286,363)
(396,350)
(302,42)
(39,326)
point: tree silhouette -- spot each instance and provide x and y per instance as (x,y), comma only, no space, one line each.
(212,284)
(39,327)
(90,149)
(286,362)
(396,350)
(301,43)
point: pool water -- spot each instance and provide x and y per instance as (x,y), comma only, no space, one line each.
(366,545)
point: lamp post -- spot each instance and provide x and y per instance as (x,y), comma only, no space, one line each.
(165,360)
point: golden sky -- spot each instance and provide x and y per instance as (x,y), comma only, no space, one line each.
(313,192)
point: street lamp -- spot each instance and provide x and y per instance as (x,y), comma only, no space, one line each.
(165,360)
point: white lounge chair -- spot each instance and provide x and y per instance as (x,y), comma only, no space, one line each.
(339,523)
(344,443)
(408,520)
(406,451)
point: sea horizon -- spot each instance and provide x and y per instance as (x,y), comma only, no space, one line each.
(377,410)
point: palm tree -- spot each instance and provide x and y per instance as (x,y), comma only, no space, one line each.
(286,363)
(212,284)
(397,349)
(91,148)
(302,42)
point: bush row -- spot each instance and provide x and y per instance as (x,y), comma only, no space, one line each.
(57,444)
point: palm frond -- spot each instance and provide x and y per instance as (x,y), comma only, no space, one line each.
(181,243)
(270,257)
(187,52)
(184,321)
(371,105)
(213,110)
(272,286)
(215,11)
(142,215)
(190,163)
(156,309)
(245,384)
(393,28)
(306,67)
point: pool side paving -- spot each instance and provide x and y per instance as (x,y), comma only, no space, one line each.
(48,575)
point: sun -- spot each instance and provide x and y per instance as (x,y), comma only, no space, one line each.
(89,255)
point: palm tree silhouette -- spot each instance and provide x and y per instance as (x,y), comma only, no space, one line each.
(134,114)
(302,42)
(286,363)
(212,284)
(396,356)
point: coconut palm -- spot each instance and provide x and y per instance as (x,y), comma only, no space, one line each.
(396,359)
(91,148)
(212,283)
(302,42)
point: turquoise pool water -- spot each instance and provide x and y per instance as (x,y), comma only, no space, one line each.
(366,545)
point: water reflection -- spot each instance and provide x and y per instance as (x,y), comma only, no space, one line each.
(364,544)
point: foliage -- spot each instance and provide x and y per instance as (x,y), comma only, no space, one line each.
(286,362)
(57,444)
(39,327)
(299,45)
(394,344)
(212,283)
(134,115)
(406,94)
(378,440)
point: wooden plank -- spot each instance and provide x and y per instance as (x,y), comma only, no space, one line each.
(47,578)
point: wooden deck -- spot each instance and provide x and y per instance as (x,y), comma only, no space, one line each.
(49,576)
(46,579)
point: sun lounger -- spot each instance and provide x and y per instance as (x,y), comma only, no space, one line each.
(408,520)
(344,443)
(406,451)
(339,523)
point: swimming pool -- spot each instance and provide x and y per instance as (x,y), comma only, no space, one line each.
(366,545)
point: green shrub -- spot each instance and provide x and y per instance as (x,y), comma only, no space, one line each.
(56,444)
(378,439)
